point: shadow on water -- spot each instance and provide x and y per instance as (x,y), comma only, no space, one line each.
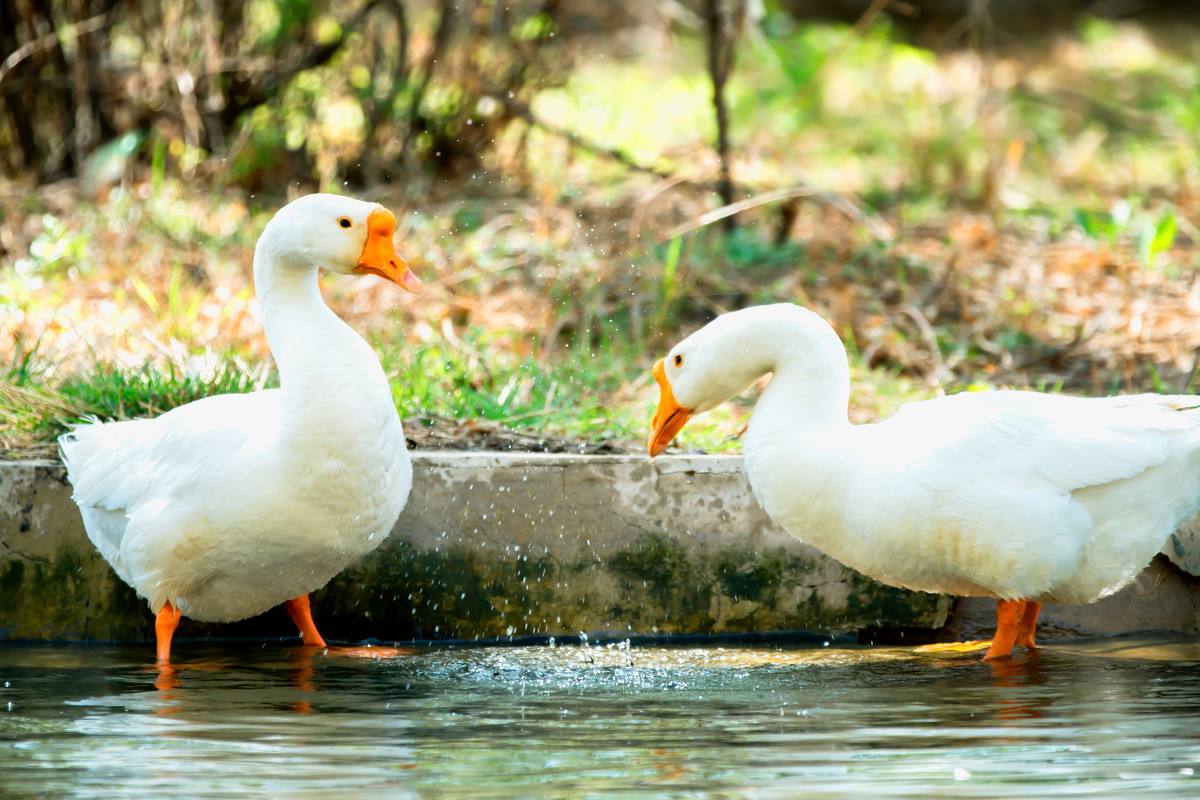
(1118,717)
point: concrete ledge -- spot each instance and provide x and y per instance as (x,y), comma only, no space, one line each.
(499,544)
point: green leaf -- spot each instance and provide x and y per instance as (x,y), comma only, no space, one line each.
(1164,234)
(1155,239)
(144,292)
(1156,380)
(1096,224)
(670,264)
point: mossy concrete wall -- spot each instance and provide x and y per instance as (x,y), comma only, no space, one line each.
(503,545)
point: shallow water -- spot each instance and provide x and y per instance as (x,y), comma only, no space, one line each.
(1115,717)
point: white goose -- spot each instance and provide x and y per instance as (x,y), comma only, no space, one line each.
(223,508)
(1020,496)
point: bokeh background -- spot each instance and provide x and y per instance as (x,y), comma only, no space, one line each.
(977,194)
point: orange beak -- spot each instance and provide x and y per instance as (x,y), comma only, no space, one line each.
(670,417)
(379,255)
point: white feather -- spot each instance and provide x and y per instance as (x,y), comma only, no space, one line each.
(1016,495)
(233,504)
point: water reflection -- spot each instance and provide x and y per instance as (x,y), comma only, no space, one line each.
(298,662)
(1013,677)
(1117,717)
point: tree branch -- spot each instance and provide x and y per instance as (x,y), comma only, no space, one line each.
(836,201)
(50,40)
(839,202)
(245,95)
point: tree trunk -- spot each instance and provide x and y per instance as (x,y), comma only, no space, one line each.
(720,60)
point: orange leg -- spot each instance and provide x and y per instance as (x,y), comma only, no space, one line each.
(301,614)
(1009,616)
(1029,625)
(164,628)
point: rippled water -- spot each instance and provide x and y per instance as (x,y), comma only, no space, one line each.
(1116,718)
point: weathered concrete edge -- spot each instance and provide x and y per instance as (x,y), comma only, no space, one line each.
(1182,548)
(676,545)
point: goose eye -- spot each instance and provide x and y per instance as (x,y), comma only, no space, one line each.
(344,222)
(678,360)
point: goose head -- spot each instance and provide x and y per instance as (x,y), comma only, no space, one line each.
(719,361)
(698,374)
(339,234)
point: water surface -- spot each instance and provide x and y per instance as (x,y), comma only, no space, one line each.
(1114,718)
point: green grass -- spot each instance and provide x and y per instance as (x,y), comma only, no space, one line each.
(112,393)
(596,394)
(599,395)
(482,378)
(41,410)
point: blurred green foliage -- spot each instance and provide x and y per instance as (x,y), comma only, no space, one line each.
(547,154)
